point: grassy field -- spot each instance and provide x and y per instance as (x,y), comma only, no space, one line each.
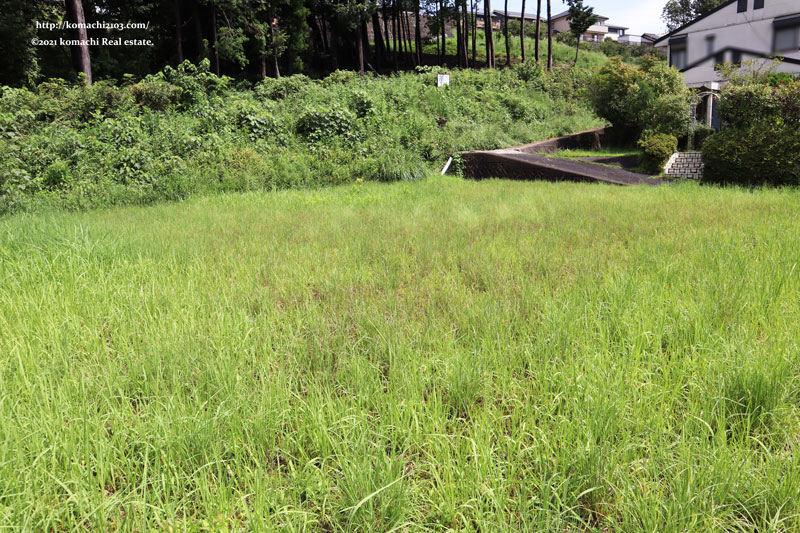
(481,356)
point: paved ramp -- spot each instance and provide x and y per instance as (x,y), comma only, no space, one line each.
(514,164)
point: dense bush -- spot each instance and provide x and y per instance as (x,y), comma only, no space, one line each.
(657,148)
(157,95)
(185,131)
(760,140)
(701,133)
(634,99)
(760,154)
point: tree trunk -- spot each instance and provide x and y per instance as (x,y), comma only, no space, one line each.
(474,36)
(577,50)
(394,36)
(465,40)
(379,48)
(459,36)
(418,32)
(538,27)
(80,53)
(549,38)
(401,34)
(411,48)
(505,33)
(316,32)
(276,71)
(443,13)
(522,32)
(360,45)
(386,25)
(487,17)
(214,38)
(325,44)
(178,31)
(334,46)
(198,31)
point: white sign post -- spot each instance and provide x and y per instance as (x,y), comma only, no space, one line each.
(442,80)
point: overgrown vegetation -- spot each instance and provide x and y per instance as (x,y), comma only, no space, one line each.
(648,104)
(446,354)
(186,131)
(760,138)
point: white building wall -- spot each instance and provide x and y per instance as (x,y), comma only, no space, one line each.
(751,30)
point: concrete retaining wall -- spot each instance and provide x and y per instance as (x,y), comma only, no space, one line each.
(687,165)
(585,140)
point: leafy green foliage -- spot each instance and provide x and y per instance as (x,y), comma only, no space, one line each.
(760,140)
(317,125)
(184,131)
(155,94)
(657,148)
(634,99)
(753,155)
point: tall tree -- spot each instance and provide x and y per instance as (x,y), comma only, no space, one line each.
(489,33)
(549,38)
(676,13)
(505,36)
(581,18)
(522,32)
(80,51)
(178,31)
(538,27)
(417,32)
(473,5)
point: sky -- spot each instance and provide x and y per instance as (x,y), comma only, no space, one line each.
(641,16)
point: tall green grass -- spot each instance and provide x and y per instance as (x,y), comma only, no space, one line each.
(437,355)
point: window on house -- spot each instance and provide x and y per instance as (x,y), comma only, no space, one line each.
(787,38)
(736,57)
(710,45)
(677,52)
(759,4)
(742,7)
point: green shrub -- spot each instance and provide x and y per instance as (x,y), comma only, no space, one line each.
(760,141)
(362,103)
(761,154)
(742,106)
(197,83)
(324,124)
(652,97)
(56,175)
(157,95)
(657,148)
(280,88)
(701,133)
(261,126)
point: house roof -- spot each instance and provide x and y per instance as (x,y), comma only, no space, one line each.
(613,27)
(650,36)
(514,14)
(698,19)
(565,13)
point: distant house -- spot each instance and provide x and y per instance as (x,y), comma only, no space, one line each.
(646,39)
(616,33)
(595,34)
(736,31)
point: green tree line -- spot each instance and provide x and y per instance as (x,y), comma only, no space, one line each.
(250,39)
